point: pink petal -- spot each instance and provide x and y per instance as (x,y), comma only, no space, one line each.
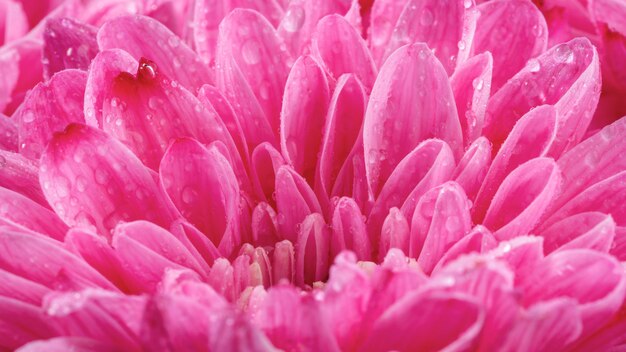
(21,289)
(383,19)
(609,16)
(313,250)
(346,110)
(471,170)
(513,32)
(68,44)
(49,108)
(13,21)
(428,165)
(195,241)
(521,254)
(8,131)
(427,321)
(522,198)
(47,260)
(532,137)
(441,218)
(202,185)
(284,264)
(20,69)
(22,176)
(98,314)
(593,160)
(145,37)
(208,14)
(595,280)
(590,230)
(294,201)
(303,116)
(446,28)
(402,113)
(478,240)
(349,230)
(342,50)
(254,67)
(266,161)
(23,211)
(566,76)
(545,326)
(471,85)
(234,332)
(21,323)
(395,233)
(62,344)
(92,180)
(264,225)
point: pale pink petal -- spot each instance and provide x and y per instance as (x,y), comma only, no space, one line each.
(348,230)
(47,261)
(294,201)
(145,37)
(221,278)
(284,262)
(49,107)
(431,163)
(595,280)
(545,326)
(513,32)
(383,18)
(264,225)
(566,76)
(312,250)
(195,241)
(342,50)
(254,66)
(401,113)
(522,254)
(8,131)
(68,44)
(471,86)
(522,198)
(478,240)
(207,15)
(266,161)
(341,135)
(202,185)
(23,211)
(394,233)
(441,218)
(427,321)
(590,230)
(471,170)
(13,21)
(64,344)
(531,137)
(90,179)
(22,176)
(98,314)
(20,70)
(21,323)
(303,116)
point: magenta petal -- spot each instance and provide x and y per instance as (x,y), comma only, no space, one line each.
(92,180)
(49,107)
(348,230)
(263,225)
(202,185)
(522,254)
(313,250)
(68,44)
(383,18)
(471,85)
(471,170)
(566,76)
(284,263)
(8,131)
(23,211)
(590,230)
(513,32)
(451,37)
(294,201)
(195,241)
(13,21)
(394,233)
(478,240)
(20,70)
(145,37)
(63,344)
(522,198)
(441,219)
(254,67)
(345,53)
(266,161)
(233,331)
(401,113)
(595,280)
(303,116)
(445,321)
(21,323)
(21,289)
(22,176)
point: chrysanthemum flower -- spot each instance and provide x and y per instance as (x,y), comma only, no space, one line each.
(305,175)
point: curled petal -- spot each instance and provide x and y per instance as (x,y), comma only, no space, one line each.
(266,161)
(471,170)
(313,250)
(349,230)
(8,131)
(294,201)
(395,233)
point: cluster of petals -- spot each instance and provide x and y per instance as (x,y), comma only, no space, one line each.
(312,175)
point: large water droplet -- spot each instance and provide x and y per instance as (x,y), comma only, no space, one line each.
(533,65)
(147,70)
(564,54)
(294,19)
(28,116)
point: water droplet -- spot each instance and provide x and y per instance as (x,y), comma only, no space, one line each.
(533,65)
(461,45)
(250,52)
(147,70)
(154,103)
(114,102)
(426,19)
(81,183)
(467,4)
(102,176)
(452,224)
(62,186)
(176,62)
(28,116)
(294,19)
(173,41)
(478,83)
(264,92)
(564,54)
(189,195)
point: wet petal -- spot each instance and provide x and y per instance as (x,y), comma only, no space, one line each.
(349,230)
(22,176)
(21,323)
(383,19)
(294,201)
(68,44)
(23,211)
(8,131)
(313,250)
(471,170)
(264,225)
(395,233)
(266,161)
(592,230)
(401,113)
(478,240)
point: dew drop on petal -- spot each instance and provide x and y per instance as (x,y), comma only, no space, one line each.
(294,19)
(189,195)
(426,19)
(533,65)
(28,116)
(250,52)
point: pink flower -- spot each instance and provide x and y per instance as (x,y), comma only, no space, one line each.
(312,175)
